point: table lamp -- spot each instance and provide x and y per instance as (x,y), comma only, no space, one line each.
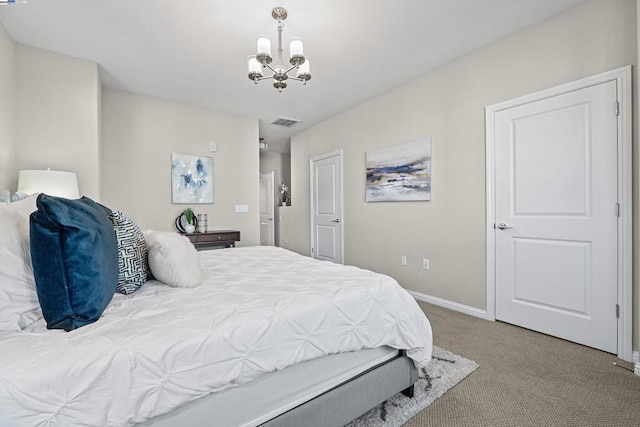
(53,183)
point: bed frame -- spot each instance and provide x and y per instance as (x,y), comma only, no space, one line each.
(333,408)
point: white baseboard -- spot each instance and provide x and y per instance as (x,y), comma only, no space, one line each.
(476,312)
(466,309)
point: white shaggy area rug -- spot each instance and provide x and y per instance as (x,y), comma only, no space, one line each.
(443,372)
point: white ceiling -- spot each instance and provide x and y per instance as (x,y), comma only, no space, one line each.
(195,51)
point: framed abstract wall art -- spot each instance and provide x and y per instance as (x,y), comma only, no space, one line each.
(191,179)
(400,172)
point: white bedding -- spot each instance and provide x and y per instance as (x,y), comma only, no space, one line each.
(259,309)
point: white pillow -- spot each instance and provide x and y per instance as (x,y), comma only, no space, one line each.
(173,259)
(26,205)
(19,306)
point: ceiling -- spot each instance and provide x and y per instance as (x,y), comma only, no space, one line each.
(195,51)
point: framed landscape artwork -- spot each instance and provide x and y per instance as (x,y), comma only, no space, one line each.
(191,179)
(399,173)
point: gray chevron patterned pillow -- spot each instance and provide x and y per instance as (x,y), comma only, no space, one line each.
(133,265)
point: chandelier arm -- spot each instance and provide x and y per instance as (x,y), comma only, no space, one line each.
(270,67)
(291,68)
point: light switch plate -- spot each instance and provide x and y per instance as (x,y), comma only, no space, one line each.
(242,208)
(213,147)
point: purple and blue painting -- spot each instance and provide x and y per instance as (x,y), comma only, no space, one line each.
(399,172)
(191,179)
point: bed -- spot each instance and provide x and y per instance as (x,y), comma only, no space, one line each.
(268,337)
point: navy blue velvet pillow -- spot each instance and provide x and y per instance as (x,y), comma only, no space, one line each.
(75,260)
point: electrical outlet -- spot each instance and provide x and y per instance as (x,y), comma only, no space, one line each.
(404,260)
(425,264)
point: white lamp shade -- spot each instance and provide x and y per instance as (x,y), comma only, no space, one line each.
(264,45)
(253,66)
(295,48)
(304,68)
(53,183)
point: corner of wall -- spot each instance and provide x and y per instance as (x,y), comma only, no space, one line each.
(60,94)
(8,171)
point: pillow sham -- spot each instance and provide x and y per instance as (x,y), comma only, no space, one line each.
(19,305)
(75,260)
(133,265)
(173,259)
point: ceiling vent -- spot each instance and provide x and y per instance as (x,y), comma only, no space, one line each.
(287,123)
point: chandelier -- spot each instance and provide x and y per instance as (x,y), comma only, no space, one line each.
(257,63)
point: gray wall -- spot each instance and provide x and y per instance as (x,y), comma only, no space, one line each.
(139,134)
(52,114)
(49,115)
(448,106)
(280,164)
(57,115)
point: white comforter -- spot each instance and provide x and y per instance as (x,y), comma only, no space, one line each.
(259,310)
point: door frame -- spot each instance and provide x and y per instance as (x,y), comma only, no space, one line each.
(338,153)
(625,238)
(272,186)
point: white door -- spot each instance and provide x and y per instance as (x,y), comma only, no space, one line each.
(555,216)
(326,207)
(267,226)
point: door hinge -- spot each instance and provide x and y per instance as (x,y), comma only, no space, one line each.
(618,210)
(617,108)
(617,311)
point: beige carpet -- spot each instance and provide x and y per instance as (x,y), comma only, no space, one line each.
(527,379)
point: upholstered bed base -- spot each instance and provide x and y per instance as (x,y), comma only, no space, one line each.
(335,407)
(353,398)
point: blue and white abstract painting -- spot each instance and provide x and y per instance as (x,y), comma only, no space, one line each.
(399,172)
(191,179)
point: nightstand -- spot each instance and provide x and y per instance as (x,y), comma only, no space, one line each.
(214,239)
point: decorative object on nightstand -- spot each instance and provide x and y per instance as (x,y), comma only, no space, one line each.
(202,223)
(215,239)
(284,194)
(186,222)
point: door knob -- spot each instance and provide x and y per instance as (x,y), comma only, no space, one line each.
(503,226)
(337,220)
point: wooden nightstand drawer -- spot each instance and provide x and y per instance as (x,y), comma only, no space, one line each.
(214,239)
